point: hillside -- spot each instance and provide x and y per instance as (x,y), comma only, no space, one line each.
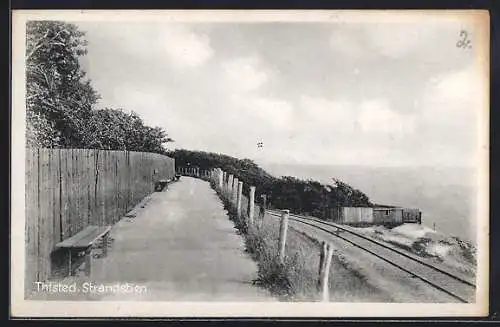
(297,195)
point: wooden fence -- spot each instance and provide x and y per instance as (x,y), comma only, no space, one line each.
(69,189)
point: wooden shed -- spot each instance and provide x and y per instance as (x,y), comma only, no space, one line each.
(412,216)
(353,215)
(387,216)
(379,215)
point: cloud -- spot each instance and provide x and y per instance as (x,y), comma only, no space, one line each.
(372,116)
(184,47)
(396,41)
(342,98)
(376,116)
(148,102)
(244,74)
(456,91)
(453,101)
(321,113)
(266,111)
(178,44)
(450,111)
(347,42)
(244,78)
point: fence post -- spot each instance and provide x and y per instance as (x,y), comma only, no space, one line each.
(224,182)
(251,205)
(234,194)
(219,177)
(263,208)
(238,199)
(229,187)
(325,262)
(283,232)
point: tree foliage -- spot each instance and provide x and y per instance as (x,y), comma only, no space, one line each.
(299,196)
(117,130)
(57,94)
(61,102)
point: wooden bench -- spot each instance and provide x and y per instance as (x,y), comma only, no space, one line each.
(83,240)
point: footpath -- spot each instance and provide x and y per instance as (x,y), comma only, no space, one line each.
(180,247)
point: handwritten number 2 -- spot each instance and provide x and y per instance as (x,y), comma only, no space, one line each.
(464,42)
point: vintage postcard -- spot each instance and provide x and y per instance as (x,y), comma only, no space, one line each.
(250,163)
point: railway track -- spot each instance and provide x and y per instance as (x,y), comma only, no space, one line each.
(455,286)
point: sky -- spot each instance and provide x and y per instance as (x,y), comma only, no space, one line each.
(339,93)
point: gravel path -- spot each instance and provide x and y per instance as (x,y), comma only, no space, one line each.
(180,247)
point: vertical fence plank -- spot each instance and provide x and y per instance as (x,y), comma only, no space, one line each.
(118,205)
(107,188)
(108,193)
(116,189)
(129,181)
(118,209)
(129,188)
(36,222)
(75,190)
(92,187)
(28,279)
(45,215)
(84,187)
(56,200)
(31,214)
(63,176)
(73,215)
(100,187)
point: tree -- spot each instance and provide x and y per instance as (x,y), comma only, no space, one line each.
(59,99)
(113,129)
(61,102)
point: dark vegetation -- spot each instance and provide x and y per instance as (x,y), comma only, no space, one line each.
(299,196)
(61,104)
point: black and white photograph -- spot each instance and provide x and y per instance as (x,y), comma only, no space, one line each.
(250,163)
